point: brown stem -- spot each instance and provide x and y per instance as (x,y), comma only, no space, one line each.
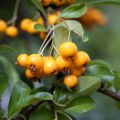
(108,92)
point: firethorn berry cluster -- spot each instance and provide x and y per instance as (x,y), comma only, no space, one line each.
(27,24)
(92,17)
(69,59)
(57,2)
(10,31)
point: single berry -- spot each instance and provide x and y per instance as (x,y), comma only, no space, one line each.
(3,26)
(68,49)
(81,58)
(22,60)
(63,63)
(70,81)
(12,31)
(35,62)
(25,24)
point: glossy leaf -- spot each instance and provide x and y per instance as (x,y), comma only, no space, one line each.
(19,92)
(87,85)
(117,81)
(63,116)
(39,27)
(102,70)
(60,96)
(74,11)
(80,105)
(9,70)
(41,113)
(3,84)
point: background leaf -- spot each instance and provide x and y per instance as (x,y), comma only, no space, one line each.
(4,48)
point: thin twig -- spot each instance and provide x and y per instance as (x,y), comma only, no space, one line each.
(14,17)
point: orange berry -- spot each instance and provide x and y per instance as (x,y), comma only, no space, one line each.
(42,35)
(77,71)
(70,81)
(67,49)
(32,75)
(52,19)
(81,58)
(35,62)
(40,21)
(29,74)
(63,63)
(22,60)
(46,2)
(25,24)
(92,17)
(50,66)
(3,26)
(31,29)
(48,58)
(59,2)
(12,31)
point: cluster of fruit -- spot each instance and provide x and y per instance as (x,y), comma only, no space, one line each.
(27,24)
(69,59)
(10,31)
(57,2)
(93,17)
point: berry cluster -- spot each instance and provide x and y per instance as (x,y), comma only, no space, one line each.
(93,17)
(57,2)
(69,59)
(10,31)
(27,24)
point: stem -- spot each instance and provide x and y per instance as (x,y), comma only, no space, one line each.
(56,117)
(56,49)
(110,93)
(45,40)
(14,17)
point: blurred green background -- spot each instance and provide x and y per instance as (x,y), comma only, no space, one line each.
(104,43)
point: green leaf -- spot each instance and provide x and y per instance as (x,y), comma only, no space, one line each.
(87,85)
(1,114)
(41,113)
(61,34)
(103,2)
(19,92)
(39,27)
(75,27)
(6,48)
(9,70)
(117,81)
(74,11)
(80,105)
(63,116)
(39,6)
(3,84)
(102,70)
(60,96)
